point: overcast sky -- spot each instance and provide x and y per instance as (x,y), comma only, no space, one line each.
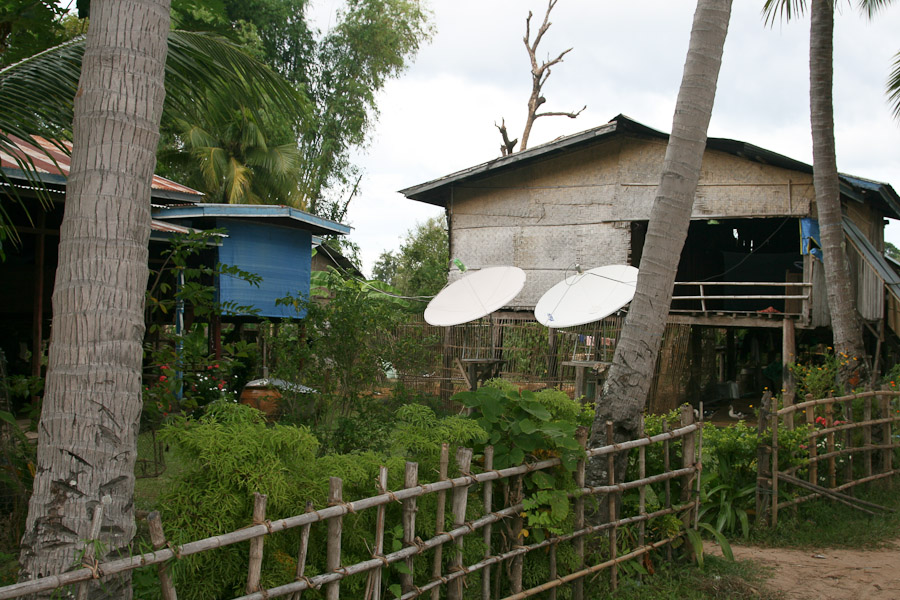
(627,58)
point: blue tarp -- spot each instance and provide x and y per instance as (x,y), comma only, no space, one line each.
(809,238)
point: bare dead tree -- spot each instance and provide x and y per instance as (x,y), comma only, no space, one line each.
(539,75)
(507,146)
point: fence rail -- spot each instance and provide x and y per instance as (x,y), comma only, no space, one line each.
(462,488)
(841,430)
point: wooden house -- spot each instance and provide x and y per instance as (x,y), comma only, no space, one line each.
(585,199)
(274,242)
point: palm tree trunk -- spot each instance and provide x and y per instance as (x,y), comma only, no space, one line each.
(92,402)
(631,373)
(841,299)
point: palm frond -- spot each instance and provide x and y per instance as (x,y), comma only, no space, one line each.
(870,8)
(893,87)
(37,93)
(784,10)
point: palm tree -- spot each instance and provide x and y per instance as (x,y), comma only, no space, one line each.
(628,382)
(37,93)
(92,399)
(845,325)
(893,87)
(232,158)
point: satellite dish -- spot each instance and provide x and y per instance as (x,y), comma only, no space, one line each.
(475,295)
(587,297)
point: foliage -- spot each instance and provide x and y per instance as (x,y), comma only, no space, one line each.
(182,373)
(231,453)
(17,469)
(340,348)
(29,26)
(419,267)
(819,376)
(522,428)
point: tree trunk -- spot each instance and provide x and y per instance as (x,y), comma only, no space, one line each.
(631,373)
(841,299)
(92,404)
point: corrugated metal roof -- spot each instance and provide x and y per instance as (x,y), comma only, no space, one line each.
(278,215)
(49,159)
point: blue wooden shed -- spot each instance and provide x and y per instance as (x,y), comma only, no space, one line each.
(274,242)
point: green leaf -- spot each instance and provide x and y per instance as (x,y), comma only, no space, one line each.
(543,480)
(527,426)
(535,409)
(696,541)
(516,456)
(402,567)
(396,590)
(720,539)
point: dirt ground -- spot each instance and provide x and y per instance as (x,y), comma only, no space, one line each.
(828,574)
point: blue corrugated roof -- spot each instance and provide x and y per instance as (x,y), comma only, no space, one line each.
(282,215)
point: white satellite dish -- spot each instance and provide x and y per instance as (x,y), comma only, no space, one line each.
(587,297)
(477,294)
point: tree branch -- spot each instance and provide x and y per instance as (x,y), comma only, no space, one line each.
(508,146)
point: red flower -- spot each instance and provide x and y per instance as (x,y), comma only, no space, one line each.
(162,377)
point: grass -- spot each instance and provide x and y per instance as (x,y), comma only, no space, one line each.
(719,579)
(828,524)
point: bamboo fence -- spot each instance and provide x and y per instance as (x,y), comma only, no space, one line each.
(532,355)
(445,576)
(851,441)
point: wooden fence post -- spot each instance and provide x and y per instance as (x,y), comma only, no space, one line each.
(158,539)
(774,471)
(458,507)
(301,553)
(516,494)
(688,461)
(333,545)
(642,494)
(410,480)
(763,463)
(887,453)
(373,584)
(667,486)
(611,499)
(829,423)
(813,444)
(581,434)
(439,519)
(867,435)
(848,440)
(256,544)
(88,556)
(488,507)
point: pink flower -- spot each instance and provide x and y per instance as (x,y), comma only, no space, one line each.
(162,377)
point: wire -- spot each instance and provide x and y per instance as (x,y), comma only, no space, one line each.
(349,274)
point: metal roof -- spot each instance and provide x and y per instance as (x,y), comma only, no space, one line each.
(52,162)
(278,215)
(437,191)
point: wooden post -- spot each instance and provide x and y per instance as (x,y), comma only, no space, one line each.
(333,544)
(848,440)
(301,553)
(763,463)
(829,422)
(887,453)
(775,467)
(867,435)
(158,539)
(458,507)
(410,480)
(581,434)
(611,499)
(516,493)
(439,519)
(488,507)
(788,352)
(447,367)
(551,595)
(373,585)
(90,546)
(256,544)
(642,493)
(668,485)
(813,443)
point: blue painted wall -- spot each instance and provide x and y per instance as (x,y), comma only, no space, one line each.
(280,255)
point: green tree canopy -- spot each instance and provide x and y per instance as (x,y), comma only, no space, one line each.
(419,267)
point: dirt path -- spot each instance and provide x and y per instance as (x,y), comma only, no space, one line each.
(829,574)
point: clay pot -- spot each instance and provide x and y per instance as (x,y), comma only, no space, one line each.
(265,399)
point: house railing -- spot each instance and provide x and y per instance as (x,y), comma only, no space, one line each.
(728,297)
(450,572)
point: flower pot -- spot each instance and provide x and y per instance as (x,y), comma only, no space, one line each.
(265,399)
